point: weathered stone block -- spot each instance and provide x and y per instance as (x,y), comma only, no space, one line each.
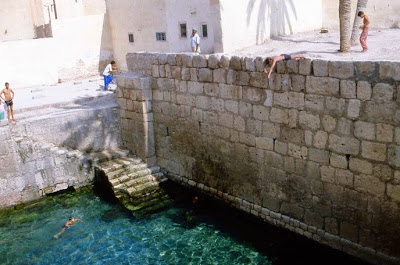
(384,132)
(219,76)
(194,74)
(383,172)
(171,59)
(389,70)
(329,123)
(335,106)
(226,119)
(317,155)
(261,112)
(328,174)
(230,91)
(393,155)
(242,78)
(213,61)
(235,63)
(203,102)
(341,69)
(240,124)
(349,231)
(258,80)
(365,68)
(360,166)
(364,90)
(271,130)
(245,109)
(308,138)
(344,126)
(344,145)
(353,109)
(292,66)
(393,191)
(373,151)
(205,75)
(293,135)
(320,68)
(305,67)
(397,135)
(331,225)
(348,88)
(195,87)
(185,74)
(298,83)
(187,60)
(232,106)
(281,147)
(254,126)
(231,77)
(338,161)
(292,210)
(281,67)
(249,64)
(259,64)
(269,98)
(296,151)
(322,85)
(199,61)
(211,89)
(279,115)
(309,121)
(265,143)
(293,118)
(382,92)
(344,177)
(224,61)
(320,139)
(252,94)
(217,104)
(369,184)
(364,130)
(314,219)
(274,159)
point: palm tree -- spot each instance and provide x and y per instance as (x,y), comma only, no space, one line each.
(345,25)
(361,6)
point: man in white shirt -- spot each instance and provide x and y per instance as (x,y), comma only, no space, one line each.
(195,41)
(110,68)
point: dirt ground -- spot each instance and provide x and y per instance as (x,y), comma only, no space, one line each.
(384,45)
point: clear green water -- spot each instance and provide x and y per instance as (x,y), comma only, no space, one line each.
(182,234)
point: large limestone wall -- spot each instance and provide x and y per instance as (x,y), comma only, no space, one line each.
(316,149)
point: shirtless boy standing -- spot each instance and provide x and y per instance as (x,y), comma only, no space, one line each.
(8,98)
(364,33)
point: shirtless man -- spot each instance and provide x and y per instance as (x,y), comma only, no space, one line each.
(364,33)
(8,98)
(67,225)
(271,61)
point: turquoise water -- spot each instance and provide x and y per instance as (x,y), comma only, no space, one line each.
(181,234)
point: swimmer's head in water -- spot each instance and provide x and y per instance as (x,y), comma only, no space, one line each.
(70,218)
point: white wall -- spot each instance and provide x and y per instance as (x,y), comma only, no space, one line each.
(248,22)
(194,14)
(81,47)
(143,19)
(382,13)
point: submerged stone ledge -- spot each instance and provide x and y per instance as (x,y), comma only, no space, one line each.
(316,147)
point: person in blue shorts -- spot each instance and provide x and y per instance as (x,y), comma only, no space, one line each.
(271,61)
(107,74)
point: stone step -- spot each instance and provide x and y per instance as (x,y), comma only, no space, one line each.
(148,196)
(144,179)
(142,189)
(111,166)
(126,171)
(148,204)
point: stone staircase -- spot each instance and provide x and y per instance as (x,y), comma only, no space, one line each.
(138,187)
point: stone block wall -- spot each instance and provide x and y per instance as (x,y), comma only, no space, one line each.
(315,149)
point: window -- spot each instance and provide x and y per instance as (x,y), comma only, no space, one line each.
(160,36)
(182,27)
(130,36)
(204,30)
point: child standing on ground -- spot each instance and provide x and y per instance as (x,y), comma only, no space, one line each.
(108,78)
(8,98)
(364,33)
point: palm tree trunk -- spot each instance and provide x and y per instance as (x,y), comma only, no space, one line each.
(345,25)
(361,6)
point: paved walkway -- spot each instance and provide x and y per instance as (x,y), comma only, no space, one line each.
(384,45)
(51,99)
